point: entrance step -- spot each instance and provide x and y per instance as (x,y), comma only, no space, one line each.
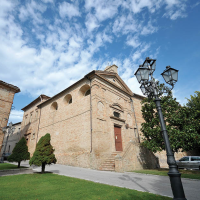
(109,163)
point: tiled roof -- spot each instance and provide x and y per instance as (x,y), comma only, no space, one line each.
(13,87)
(35,101)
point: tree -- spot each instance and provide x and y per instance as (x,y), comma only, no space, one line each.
(181,125)
(194,104)
(20,152)
(43,154)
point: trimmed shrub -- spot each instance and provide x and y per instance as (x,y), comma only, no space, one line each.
(43,154)
(20,152)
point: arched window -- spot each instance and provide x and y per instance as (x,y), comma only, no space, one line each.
(87,92)
(84,90)
(116,114)
(54,106)
(68,99)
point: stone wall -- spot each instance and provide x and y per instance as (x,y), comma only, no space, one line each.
(69,125)
(135,157)
(6,101)
(13,139)
(30,125)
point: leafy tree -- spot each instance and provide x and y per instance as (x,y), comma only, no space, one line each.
(194,104)
(181,125)
(43,153)
(20,152)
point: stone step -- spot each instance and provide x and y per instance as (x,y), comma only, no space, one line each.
(108,169)
(109,163)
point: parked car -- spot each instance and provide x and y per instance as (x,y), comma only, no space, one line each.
(189,162)
(6,155)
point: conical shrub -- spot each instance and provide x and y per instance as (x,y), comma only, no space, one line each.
(43,154)
(20,152)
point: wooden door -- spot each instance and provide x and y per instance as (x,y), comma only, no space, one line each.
(118,138)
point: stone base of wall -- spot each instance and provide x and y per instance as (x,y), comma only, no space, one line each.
(78,159)
(135,157)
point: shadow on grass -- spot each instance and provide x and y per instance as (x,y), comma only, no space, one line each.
(43,172)
(47,172)
(141,196)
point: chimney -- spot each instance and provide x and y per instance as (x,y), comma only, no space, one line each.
(112,68)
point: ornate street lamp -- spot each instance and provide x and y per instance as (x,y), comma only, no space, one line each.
(11,130)
(149,88)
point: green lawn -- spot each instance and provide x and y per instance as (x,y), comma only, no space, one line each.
(4,166)
(193,174)
(52,186)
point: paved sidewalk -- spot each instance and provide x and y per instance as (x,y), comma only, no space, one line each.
(141,182)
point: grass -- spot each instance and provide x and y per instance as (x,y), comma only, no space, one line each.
(192,174)
(52,186)
(4,166)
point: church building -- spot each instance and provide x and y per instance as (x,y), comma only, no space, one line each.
(94,123)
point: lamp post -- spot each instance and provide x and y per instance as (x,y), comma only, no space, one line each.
(11,129)
(149,88)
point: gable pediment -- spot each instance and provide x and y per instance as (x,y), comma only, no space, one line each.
(115,79)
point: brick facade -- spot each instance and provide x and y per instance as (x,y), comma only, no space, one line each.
(10,140)
(83,120)
(7,92)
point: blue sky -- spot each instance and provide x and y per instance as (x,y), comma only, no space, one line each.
(47,45)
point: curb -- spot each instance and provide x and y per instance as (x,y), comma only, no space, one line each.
(165,176)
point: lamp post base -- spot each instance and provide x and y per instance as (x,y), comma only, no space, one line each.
(176,185)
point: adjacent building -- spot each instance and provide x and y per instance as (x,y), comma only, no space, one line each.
(11,139)
(7,92)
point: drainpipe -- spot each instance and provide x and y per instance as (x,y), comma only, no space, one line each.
(135,118)
(91,114)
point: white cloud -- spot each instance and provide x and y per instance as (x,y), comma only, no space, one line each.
(104,9)
(32,10)
(6,7)
(175,9)
(133,41)
(125,24)
(139,53)
(68,9)
(194,5)
(53,54)
(149,29)
(134,85)
(16,116)
(48,1)
(91,22)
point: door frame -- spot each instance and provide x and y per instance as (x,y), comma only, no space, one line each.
(118,126)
